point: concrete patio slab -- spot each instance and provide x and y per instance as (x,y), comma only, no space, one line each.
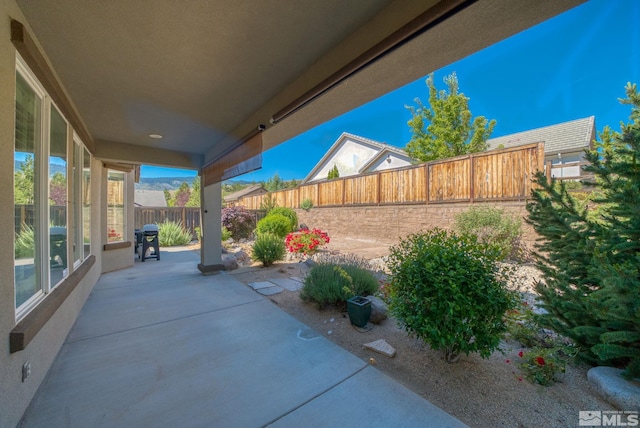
(189,350)
(368,398)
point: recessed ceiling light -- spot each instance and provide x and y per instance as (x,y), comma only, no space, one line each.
(156,136)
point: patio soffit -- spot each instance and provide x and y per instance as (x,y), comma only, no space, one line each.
(204,73)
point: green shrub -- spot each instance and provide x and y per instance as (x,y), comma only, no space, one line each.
(492,226)
(447,291)
(239,221)
(287,212)
(25,242)
(306,204)
(268,248)
(226,234)
(332,282)
(268,203)
(171,233)
(276,224)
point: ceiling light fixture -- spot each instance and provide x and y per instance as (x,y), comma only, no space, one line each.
(155,136)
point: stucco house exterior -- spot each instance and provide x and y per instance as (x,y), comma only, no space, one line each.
(99,88)
(564,144)
(353,155)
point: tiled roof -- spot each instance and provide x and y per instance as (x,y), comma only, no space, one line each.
(149,198)
(560,138)
(243,192)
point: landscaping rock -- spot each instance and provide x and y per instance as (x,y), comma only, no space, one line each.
(378,310)
(608,381)
(229,262)
(382,347)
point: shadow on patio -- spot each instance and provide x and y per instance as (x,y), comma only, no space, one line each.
(161,345)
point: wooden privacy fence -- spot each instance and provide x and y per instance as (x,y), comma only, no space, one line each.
(188,216)
(499,175)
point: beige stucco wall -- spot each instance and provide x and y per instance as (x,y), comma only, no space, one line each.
(389,223)
(396,162)
(349,158)
(15,395)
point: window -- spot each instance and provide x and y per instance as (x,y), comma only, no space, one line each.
(81,166)
(28,126)
(57,180)
(43,184)
(115,206)
(86,202)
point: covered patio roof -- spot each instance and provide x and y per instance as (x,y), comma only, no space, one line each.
(203,74)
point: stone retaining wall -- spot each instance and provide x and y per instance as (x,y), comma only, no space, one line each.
(388,223)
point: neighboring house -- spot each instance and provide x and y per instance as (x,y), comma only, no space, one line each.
(564,144)
(232,198)
(149,198)
(355,155)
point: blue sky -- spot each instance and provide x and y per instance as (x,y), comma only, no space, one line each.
(572,66)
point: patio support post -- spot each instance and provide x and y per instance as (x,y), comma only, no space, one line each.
(211,244)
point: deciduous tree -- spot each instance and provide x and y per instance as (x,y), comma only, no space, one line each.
(445,127)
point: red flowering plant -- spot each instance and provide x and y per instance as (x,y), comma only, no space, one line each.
(545,366)
(306,241)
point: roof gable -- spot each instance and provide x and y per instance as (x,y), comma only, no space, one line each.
(395,157)
(373,149)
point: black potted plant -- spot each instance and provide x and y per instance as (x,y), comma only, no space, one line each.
(359,310)
(358,307)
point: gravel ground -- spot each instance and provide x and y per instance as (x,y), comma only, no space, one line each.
(480,392)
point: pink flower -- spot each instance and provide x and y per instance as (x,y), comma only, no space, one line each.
(520,354)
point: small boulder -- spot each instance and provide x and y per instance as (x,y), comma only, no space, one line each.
(378,310)
(622,393)
(229,262)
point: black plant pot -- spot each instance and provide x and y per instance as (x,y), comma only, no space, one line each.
(359,310)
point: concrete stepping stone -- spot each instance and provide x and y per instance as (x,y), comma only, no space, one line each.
(288,283)
(382,347)
(270,291)
(261,284)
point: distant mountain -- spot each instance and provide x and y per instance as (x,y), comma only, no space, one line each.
(17,165)
(162,183)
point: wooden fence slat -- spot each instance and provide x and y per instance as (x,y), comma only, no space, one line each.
(496,175)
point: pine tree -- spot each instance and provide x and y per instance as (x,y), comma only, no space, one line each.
(194,196)
(333,173)
(591,258)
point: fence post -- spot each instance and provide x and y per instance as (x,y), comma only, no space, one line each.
(426,179)
(343,190)
(471,178)
(548,171)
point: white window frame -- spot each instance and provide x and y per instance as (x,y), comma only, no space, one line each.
(41,190)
